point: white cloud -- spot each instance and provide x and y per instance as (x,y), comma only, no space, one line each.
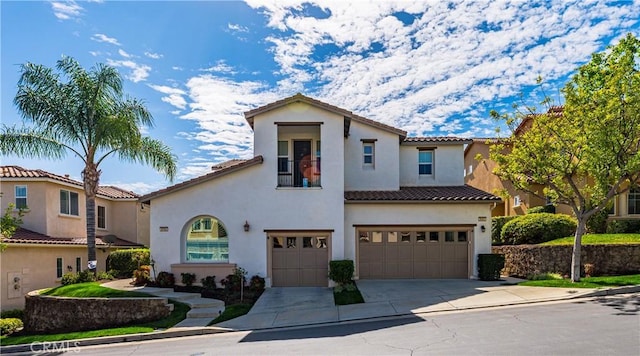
(99,37)
(66,10)
(237,28)
(175,96)
(139,72)
(153,55)
(220,67)
(177,68)
(446,60)
(123,53)
(138,187)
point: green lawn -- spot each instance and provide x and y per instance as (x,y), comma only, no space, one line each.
(599,239)
(92,290)
(178,314)
(588,282)
(232,312)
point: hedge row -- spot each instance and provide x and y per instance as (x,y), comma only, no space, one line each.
(532,228)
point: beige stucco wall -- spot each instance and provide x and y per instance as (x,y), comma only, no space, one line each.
(35,268)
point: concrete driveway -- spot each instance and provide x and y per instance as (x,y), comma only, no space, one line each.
(281,307)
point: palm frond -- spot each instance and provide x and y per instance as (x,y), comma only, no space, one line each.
(30,143)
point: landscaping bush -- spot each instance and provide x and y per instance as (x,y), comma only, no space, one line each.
(69,278)
(209,282)
(497,223)
(142,275)
(103,276)
(341,271)
(489,266)
(13,313)
(10,325)
(537,228)
(188,278)
(80,277)
(235,281)
(165,280)
(256,284)
(124,262)
(623,227)
(86,276)
(551,209)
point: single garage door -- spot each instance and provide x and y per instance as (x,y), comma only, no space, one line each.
(299,261)
(415,253)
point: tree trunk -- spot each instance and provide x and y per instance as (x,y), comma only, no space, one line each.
(91,177)
(577,247)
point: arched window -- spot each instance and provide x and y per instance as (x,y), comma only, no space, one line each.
(207,241)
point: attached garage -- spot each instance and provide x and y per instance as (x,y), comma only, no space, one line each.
(299,260)
(414,252)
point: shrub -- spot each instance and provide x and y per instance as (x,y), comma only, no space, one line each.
(188,278)
(13,313)
(551,209)
(341,271)
(165,280)
(9,325)
(597,223)
(86,276)
(124,262)
(256,284)
(489,266)
(235,281)
(69,278)
(142,275)
(102,275)
(537,228)
(623,227)
(209,282)
(496,228)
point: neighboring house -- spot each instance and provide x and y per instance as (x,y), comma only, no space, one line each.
(52,239)
(479,174)
(325,184)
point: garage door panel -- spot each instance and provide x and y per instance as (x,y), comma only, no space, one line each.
(299,261)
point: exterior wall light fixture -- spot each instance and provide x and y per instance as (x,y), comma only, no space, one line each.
(246,226)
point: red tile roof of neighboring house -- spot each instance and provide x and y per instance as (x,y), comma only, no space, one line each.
(209,176)
(24,236)
(33,174)
(226,164)
(437,139)
(464,193)
(249,115)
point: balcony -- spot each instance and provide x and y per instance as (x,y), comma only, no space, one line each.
(301,173)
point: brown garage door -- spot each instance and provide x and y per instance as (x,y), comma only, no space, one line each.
(299,261)
(416,253)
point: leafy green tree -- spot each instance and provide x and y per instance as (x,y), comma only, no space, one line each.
(85,113)
(585,153)
(10,221)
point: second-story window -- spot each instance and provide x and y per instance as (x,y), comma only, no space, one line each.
(283,156)
(102,217)
(368,153)
(69,203)
(21,196)
(425,162)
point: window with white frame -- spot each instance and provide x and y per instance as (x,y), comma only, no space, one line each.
(21,196)
(283,156)
(425,162)
(69,203)
(516,201)
(102,217)
(368,153)
(633,202)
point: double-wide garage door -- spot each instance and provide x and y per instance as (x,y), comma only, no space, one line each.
(413,253)
(299,261)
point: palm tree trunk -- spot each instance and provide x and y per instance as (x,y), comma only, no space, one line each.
(91,177)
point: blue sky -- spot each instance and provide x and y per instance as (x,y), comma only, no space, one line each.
(428,67)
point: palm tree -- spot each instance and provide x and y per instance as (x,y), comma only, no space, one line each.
(86,113)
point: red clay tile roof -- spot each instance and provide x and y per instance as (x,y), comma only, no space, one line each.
(249,115)
(226,164)
(462,193)
(438,139)
(209,176)
(31,174)
(24,236)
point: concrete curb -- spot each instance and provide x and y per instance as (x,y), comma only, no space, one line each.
(195,331)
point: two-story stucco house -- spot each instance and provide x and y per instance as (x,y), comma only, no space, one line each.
(325,184)
(52,239)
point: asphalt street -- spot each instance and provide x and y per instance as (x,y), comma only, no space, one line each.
(590,326)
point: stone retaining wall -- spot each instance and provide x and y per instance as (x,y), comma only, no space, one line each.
(46,314)
(526,260)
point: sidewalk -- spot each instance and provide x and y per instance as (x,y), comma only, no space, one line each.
(297,307)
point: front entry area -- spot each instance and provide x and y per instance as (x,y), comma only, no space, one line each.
(414,252)
(299,259)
